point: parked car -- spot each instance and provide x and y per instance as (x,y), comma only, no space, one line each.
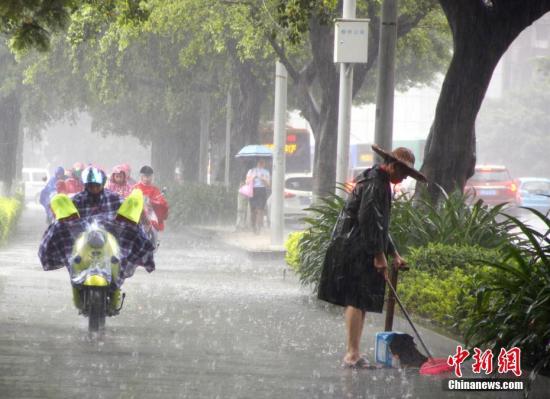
(298,194)
(34,180)
(534,192)
(493,184)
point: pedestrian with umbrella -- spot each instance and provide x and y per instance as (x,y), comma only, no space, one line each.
(259,180)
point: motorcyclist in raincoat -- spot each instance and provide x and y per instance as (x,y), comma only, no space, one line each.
(72,182)
(57,248)
(94,200)
(118,182)
(154,195)
(50,190)
(128,170)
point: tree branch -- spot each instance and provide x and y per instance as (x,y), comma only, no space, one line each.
(294,74)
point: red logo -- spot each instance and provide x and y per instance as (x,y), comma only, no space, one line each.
(482,361)
(508,361)
(458,359)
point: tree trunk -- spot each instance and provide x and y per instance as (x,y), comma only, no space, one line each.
(323,117)
(189,141)
(326,139)
(481,34)
(10,117)
(164,156)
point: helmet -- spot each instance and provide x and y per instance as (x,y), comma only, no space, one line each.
(93,175)
(146,170)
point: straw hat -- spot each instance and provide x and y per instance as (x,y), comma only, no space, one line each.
(404,157)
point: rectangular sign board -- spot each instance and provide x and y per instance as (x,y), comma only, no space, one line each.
(351,38)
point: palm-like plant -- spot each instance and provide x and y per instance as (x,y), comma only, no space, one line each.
(512,305)
(417,222)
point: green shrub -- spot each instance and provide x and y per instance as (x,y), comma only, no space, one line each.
(9,212)
(292,255)
(433,296)
(512,304)
(437,256)
(440,278)
(417,222)
(194,203)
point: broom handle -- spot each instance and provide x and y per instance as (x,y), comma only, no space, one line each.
(408,318)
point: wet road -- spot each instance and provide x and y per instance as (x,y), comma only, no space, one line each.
(208,323)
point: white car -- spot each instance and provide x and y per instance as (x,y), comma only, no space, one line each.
(35,180)
(298,194)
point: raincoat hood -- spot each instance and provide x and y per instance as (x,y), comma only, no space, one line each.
(59,171)
(63,206)
(119,169)
(132,206)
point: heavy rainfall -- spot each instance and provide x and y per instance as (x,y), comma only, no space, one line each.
(274,199)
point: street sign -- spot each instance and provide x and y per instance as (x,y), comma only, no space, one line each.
(351,38)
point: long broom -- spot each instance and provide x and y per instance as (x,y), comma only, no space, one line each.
(432,365)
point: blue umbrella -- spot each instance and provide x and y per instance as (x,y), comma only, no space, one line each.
(254,150)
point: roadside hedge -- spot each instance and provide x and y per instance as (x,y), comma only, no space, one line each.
(440,282)
(195,203)
(9,211)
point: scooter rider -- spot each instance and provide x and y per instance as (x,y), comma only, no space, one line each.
(57,246)
(94,200)
(155,196)
(118,182)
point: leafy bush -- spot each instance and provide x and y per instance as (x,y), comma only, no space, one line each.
(512,306)
(417,222)
(9,212)
(437,256)
(194,203)
(433,296)
(440,278)
(292,255)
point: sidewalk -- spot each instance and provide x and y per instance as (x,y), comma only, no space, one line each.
(257,246)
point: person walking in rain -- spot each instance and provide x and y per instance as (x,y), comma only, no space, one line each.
(261,181)
(355,265)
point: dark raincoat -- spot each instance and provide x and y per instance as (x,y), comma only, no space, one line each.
(349,277)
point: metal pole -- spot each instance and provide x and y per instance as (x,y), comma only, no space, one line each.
(279,140)
(383,130)
(228,119)
(344,107)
